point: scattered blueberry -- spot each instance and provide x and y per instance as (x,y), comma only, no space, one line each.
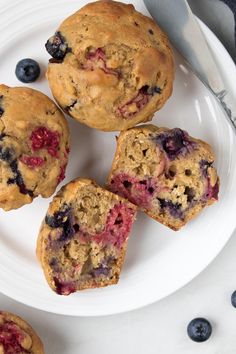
(27,70)
(57,47)
(233,299)
(199,330)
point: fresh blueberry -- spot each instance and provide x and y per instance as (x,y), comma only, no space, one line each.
(27,70)
(233,299)
(199,330)
(57,47)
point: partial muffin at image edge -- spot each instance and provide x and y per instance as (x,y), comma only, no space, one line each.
(83,238)
(34,146)
(165,172)
(17,336)
(112,67)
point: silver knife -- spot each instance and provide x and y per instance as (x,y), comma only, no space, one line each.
(178,21)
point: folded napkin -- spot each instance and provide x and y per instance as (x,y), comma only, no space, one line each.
(220,17)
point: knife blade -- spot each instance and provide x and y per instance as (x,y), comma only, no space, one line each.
(181,26)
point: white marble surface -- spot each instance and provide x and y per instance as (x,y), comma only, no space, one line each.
(159,328)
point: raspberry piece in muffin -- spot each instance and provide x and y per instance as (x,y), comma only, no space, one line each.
(45,138)
(16,336)
(83,239)
(117,79)
(165,172)
(34,142)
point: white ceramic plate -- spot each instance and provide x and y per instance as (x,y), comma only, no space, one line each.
(159,261)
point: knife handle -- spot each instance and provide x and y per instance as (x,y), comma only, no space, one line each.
(228,104)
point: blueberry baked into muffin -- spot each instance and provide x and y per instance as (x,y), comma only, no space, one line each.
(17,337)
(83,239)
(33,146)
(165,172)
(111,66)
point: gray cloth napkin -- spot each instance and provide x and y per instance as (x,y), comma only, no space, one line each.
(219,16)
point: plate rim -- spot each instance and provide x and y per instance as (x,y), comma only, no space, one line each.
(210,36)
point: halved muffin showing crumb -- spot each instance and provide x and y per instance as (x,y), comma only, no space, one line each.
(83,239)
(165,172)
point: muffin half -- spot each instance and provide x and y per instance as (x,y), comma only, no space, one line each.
(83,239)
(165,172)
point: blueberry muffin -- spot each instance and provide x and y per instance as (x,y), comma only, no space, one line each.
(165,172)
(112,67)
(83,239)
(33,146)
(17,337)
